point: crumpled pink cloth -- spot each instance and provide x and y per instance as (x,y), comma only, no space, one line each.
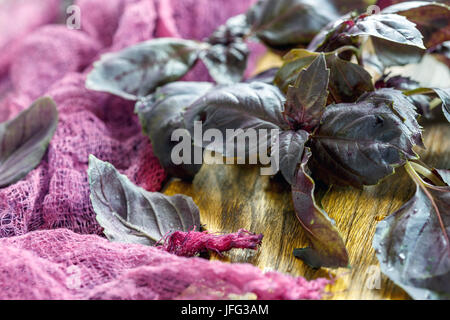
(60,264)
(47,226)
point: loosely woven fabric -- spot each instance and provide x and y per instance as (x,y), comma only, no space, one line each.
(51,246)
(60,264)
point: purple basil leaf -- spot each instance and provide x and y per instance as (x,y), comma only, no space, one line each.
(292,145)
(294,62)
(327,247)
(254,105)
(281,24)
(412,243)
(24,140)
(226,58)
(307,98)
(162,113)
(138,70)
(361,143)
(131,214)
(287,23)
(226,63)
(432,19)
(348,81)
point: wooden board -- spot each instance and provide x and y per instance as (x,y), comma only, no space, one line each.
(231,197)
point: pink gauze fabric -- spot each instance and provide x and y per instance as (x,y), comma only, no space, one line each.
(51,246)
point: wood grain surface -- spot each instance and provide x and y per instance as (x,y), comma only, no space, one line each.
(231,197)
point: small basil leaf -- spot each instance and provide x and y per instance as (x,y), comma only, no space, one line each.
(292,145)
(226,58)
(412,243)
(162,113)
(348,81)
(255,105)
(432,19)
(131,214)
(307,99)
(136,71)
(328,248)
(226,63)
(293,62)
(361,143)
(285,23)
(24,140)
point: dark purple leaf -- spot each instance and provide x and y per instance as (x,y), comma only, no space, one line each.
(287,23)
(412,244)
(307,98)
(226,64)
(292,145)
(361,143)
(348,81)
(162,113)
(24,140)
(254,105)
(294,62)
(226,58)
(131,214)
(138,70)
(432,19)
(327,247)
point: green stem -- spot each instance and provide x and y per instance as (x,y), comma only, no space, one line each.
(346,48)
(427,173)
(435,103)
